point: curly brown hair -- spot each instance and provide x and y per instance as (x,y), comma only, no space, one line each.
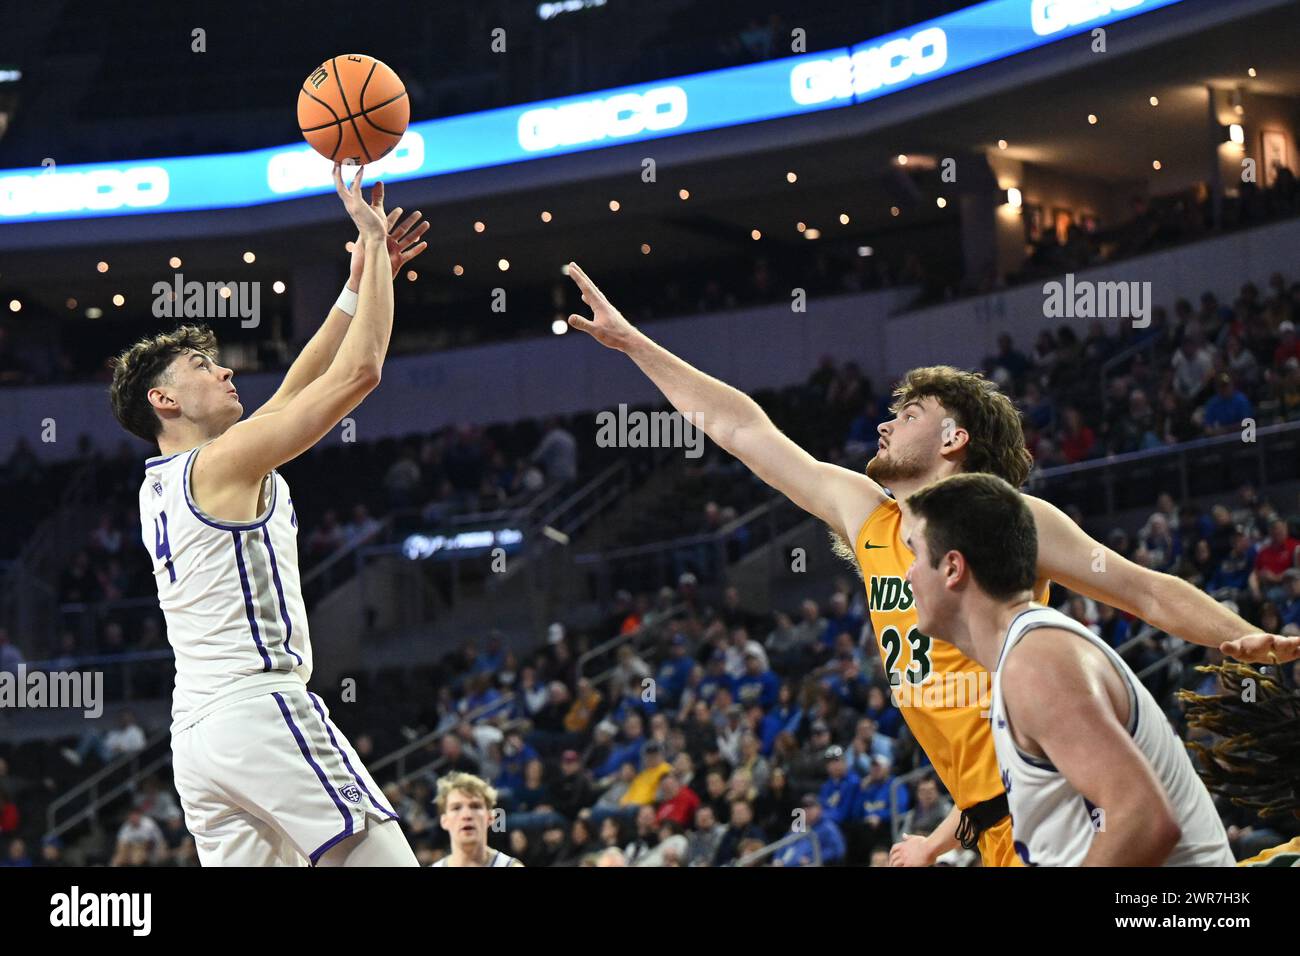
(997,437)
(147,364)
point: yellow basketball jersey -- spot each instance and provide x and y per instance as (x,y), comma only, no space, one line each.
(942,694)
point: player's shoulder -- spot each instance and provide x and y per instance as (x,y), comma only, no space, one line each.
(876,508)
(1048,649)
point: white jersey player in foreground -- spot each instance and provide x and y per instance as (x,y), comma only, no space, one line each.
(466,805)
(265,778)
(1094,774)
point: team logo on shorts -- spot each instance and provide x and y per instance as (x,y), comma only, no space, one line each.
(351,793)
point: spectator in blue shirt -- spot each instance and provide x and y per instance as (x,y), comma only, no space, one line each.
(840,620)
(674,671)
(482,694)
(883,712)
(838,792)
(16,855)
(716,678)
(1233,576)
(829,837)
(758,685)
(844,679)
(636,699)
(1290,611)
(515,755)
(785,716)
(867,742)
(627,750)
(1225,411)
(871,812)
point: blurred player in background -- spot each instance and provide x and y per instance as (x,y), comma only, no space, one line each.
(466,805)
(946,422)
(264,777)
(1094,774)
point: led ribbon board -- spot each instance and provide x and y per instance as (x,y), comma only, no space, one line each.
(721,98)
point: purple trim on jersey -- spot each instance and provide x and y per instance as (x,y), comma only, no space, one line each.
(248,601)
(279,590)
(315,702)
(226,525)
(329,844)
(320,775)
(150,462)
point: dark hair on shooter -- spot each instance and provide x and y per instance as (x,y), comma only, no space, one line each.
(997,438)
(985,519)
(1256,761)
(145,365)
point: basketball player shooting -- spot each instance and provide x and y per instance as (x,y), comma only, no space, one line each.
(1094,774)
(946,421)
(264,776)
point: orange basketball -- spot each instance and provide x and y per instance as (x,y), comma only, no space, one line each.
(353,108)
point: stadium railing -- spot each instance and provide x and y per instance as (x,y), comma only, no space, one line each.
(752,859)
(895,787)
(402,754)
(1199,467)
(611,646)
(99,790)
(705,555)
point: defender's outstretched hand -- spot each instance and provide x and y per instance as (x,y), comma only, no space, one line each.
(607,325)
(1262,649)
(403,239)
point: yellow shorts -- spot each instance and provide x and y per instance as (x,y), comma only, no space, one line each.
(996,846)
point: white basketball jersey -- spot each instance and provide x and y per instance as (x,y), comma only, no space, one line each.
(1052,824)
(229,590)
(496,859)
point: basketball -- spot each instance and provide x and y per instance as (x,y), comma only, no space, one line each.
(353,108)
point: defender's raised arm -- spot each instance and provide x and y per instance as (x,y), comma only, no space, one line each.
(840,497)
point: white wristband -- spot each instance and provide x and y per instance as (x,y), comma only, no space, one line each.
(347,301)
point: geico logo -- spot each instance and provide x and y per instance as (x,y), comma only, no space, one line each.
(1053,16)
(840,78)
(136,187)
(626,114)
(297,169)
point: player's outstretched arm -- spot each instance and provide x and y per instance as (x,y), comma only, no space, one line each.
(1068,555)
(840,497)
(251,448)
(404,244)
(1052,700)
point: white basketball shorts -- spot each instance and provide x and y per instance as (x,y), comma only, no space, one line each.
(270,781)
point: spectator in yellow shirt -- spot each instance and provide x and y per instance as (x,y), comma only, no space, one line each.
(645,785)
(586,702)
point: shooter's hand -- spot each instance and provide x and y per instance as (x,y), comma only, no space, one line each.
(368,216)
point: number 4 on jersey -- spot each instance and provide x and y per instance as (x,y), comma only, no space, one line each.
(162,547)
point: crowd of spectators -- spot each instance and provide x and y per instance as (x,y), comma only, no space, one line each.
(1206,370)
(718,728)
